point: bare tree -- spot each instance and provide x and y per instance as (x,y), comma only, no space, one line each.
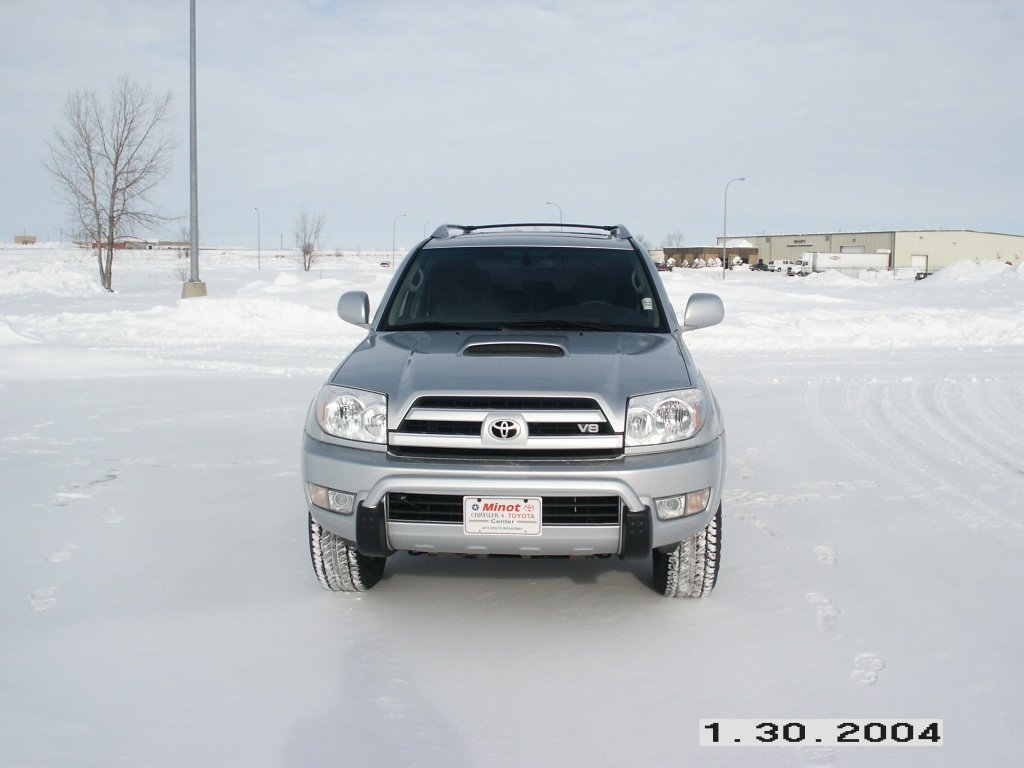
(307,236)
(107,159)
(674,239)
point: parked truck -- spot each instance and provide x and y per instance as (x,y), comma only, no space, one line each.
(823,262)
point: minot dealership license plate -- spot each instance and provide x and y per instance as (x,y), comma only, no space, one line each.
(502,515)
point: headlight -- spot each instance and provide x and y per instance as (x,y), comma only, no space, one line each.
(665,417)
(353,414)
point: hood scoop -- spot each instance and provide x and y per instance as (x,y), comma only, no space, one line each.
(513,349)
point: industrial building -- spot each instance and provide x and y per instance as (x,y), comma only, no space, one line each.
(917,250)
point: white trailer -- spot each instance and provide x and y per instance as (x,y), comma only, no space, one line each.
(823,262)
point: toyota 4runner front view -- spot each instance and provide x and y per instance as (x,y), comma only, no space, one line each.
(522,390)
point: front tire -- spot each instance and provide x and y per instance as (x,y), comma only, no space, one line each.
(339,566)
(690,569)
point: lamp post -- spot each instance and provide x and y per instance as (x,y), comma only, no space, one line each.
(394,226)
(258,257)
(559,214)
(725,215)
(194,287)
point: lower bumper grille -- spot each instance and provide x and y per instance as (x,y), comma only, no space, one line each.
(558,510)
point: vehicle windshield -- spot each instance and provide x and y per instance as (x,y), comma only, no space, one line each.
(530,288)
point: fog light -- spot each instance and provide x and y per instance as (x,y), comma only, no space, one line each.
(671,507)
(683,505)
(328,498)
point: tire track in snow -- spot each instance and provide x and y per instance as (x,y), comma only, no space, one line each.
(958,408)
(928,437)
(903,450)
(912,444)
(939,429)
(834,437)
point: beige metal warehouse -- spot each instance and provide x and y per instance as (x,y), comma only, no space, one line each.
(920,250)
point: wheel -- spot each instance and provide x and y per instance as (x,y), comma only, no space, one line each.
(690,569)
(338,566)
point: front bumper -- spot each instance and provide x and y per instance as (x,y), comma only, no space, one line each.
(635,480)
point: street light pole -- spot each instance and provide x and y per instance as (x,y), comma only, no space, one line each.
(194,287)
(559,214)
(725,215)
(258,259)
(394,226)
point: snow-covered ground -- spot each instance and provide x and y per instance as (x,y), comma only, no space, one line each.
(158,608)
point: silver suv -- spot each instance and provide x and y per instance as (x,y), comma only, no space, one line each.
(522,390)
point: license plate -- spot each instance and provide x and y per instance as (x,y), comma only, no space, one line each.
(502,515)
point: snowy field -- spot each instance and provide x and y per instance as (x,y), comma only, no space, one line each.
(158,608)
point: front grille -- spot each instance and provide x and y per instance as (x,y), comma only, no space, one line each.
(537,429)
(478,455)
(566,429)
(501,403)
(424,427)
(458,426)
(557,510)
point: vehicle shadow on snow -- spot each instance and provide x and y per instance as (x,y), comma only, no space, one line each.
(578,571)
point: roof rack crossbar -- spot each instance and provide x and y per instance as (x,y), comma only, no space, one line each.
(617,231)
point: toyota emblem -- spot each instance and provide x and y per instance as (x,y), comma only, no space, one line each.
(505,429)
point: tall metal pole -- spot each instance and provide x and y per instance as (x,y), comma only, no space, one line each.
(257,236)
(559,214)
(394,225)
(194,287)
(725,214)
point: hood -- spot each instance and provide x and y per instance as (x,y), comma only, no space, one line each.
(609,367)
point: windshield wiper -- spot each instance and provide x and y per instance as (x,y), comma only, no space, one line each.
(438,325)
(557,325)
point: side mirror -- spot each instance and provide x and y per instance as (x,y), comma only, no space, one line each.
(354,307)
(702,311)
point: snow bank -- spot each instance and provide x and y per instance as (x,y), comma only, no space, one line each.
(971,272)
(9,337)
(966,305)
(196,321)
(239,318)
(835,277)
(52,279)
(290,284)
(283,308)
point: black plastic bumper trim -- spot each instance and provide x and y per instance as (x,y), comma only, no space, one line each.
(637,535)
(372,531)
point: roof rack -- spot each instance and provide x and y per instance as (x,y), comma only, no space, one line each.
(617,231)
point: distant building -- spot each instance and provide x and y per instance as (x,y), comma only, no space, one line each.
(25,239)
(139,244)
(690,254)
(920,250)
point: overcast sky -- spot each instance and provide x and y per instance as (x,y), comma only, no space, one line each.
(898,114)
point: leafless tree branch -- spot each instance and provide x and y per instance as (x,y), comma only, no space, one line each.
(307,236)
(108,158)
